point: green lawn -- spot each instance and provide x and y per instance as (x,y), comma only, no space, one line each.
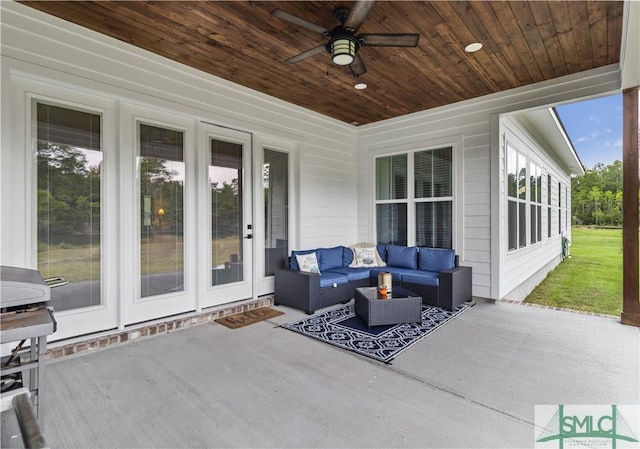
(591,280)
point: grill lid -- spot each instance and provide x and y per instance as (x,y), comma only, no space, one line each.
(22,286)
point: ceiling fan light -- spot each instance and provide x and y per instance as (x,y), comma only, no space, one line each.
(343,51)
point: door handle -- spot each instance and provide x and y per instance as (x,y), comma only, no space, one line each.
(249,236)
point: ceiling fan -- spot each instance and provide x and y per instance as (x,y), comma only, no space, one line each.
(343,44)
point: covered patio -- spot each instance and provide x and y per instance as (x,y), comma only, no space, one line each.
(473,383)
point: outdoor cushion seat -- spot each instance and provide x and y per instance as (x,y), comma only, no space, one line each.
(422,278)
(354,274)
(329,278)
(396,272)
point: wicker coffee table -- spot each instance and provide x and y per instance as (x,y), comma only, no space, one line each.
(403,306)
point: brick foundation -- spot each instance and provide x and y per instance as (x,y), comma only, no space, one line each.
(60,350)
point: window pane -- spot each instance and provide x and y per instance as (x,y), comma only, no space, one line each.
(538,184)
(533,185)
(391,177)
(549,222)
(513,225)
(534,224)
(391,222)
(549,190)
(522,177)
(275,182)
(161,174)
(69,161)
(225,179)
(522,225)
(434,224)
(512,173)
(433,173)
(539,216)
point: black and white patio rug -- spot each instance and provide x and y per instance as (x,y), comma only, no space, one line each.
(341,327)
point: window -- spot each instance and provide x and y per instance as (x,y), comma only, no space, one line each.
(433,198)
(548,206)
(161,173)
(517,198)
(535,200)
(559,208)
(566,207)
(417,202)
(275,182)
(391,199)
(69,171)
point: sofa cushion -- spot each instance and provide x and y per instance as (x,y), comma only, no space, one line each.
(293,261)
(436,259)
(396,272)
(308,263)
(347,256)
(353,274)
(382,251)
(329,278)
(329,257)
(402,256)
(421,278)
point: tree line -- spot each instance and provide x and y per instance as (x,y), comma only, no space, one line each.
(596,196)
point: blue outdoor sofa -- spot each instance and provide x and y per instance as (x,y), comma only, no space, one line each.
(432,273)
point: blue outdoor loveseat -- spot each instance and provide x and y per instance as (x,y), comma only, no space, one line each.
(330,275)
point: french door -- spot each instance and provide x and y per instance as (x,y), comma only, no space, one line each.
(226,244)
(157,232)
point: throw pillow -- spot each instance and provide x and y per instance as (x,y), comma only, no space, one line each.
(366,251)
(365,257)
(308,263)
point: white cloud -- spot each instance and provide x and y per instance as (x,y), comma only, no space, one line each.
(592,136)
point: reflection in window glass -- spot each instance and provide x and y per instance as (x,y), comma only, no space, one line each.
(391,177)
(433,173)
(391,220)
(434,224)
(69,161)
(225,180)
(275,182)
(161,172)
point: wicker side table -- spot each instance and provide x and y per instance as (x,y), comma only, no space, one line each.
(403,306)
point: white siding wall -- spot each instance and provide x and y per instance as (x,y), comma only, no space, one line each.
(479,226)
(53,52)
(521,270)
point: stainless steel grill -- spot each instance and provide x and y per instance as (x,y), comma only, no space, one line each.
(25,316)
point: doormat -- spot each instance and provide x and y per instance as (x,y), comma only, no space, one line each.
(248,317)
(341,327)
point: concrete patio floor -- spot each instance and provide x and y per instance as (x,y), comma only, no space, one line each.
(473,383)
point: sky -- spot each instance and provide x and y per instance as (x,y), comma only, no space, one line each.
(595,129)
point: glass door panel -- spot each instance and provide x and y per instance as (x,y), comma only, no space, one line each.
(226,190)
(275,183)
(161,173)
(69,171)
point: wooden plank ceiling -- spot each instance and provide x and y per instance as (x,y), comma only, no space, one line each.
(524,42)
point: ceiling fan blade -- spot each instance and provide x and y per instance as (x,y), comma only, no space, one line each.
(358,14)
(307,54)
(298,21)
(389,40)
(357,66)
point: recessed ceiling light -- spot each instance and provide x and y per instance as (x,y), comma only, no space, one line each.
(360,86)
(472,48)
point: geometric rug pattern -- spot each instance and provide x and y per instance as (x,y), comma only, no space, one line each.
(341,327)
